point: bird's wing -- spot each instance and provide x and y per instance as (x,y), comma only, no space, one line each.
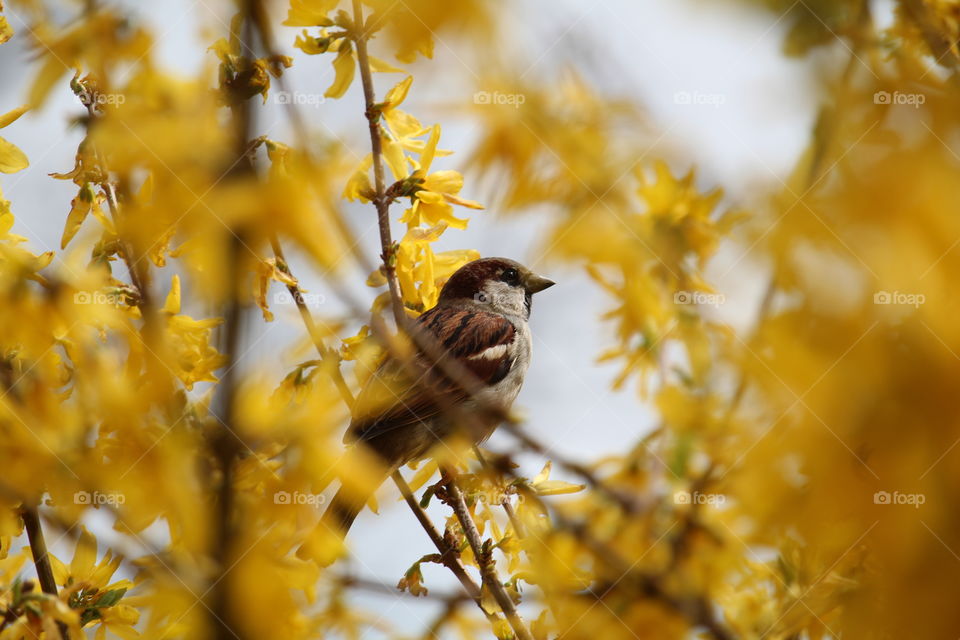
(480,341)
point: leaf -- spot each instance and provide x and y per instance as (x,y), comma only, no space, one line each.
(11,158)
(110,598)
(345,67)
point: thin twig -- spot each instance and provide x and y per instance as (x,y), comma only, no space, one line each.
(380,197)
(447,553)
(485,561)
(327,355)
(382,203)
(41,559)
(38,547)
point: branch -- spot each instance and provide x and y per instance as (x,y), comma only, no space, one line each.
(485,561)
(41,560)
(380,199)
(38,547)
(696,609)
(225,445)
(328,356)
(447,553)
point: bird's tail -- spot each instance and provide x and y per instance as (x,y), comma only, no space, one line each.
(342,511)
(325,543)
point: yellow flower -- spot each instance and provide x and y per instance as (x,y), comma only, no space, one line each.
(12,159)
(194,359)
(84,568)
(310,13)
(402,131)
(438,192)
(417,263)
(119,621)
(544,486)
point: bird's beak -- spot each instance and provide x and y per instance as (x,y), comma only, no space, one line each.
(535,283)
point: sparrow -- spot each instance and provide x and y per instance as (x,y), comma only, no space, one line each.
(481,321)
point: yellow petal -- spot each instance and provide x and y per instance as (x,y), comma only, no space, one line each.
(421,477)
(6,218)
(309,45)
(6,32)
(84,557)
(60,572)
(11,158)
(381,66)
(11,116)
(396,160)
(556,487)
(309,13)
(79,208)
(470,204)
(44,80)
(398,93)
(425,235)
(444,182)
(443,212)
(345,67)
(426,158)
(544,473)
(172,303)
(359,182)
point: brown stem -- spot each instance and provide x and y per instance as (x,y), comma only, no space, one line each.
(447,554)
(226,444)
(41,560)
(328,356)
(487,569)
(126,250)
(380,199)
(38,547)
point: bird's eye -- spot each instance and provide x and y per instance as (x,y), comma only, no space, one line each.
(510,276)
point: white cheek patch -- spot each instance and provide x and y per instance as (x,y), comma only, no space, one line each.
(504,298)
(493,353)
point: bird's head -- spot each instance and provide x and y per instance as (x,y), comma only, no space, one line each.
(502,284)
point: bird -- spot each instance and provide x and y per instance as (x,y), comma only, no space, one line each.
(481,320)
